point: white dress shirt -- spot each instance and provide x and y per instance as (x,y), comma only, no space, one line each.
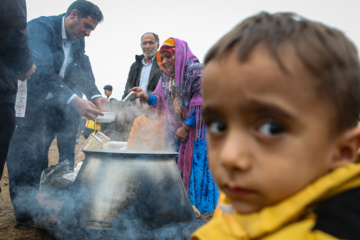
(66,45)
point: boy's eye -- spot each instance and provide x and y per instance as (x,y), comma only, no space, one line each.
(216,127)
(271,128)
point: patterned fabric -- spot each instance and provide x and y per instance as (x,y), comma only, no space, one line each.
(203,192)
(192,160)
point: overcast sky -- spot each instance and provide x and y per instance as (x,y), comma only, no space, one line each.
(115,41)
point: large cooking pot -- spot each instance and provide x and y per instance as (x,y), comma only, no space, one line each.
(116,105)
(117,189)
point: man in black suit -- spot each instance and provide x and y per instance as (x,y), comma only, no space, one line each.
(63,75)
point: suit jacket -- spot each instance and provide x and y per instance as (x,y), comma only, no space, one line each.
(135,72)
(45,41)
(15,55)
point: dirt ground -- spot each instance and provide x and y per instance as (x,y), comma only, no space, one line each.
(8,228)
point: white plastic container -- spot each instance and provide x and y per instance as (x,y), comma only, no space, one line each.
(115,145)
(108,117)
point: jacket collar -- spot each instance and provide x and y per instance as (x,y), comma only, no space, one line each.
(138,58)
(58,30)
(257,224)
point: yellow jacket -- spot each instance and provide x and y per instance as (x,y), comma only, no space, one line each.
(92,124)
(291,219)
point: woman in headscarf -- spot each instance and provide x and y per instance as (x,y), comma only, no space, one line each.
(178,97)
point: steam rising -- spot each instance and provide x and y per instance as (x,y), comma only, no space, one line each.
(139,202)
(118,199)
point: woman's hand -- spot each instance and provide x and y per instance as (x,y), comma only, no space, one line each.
(139,93)
(183,132)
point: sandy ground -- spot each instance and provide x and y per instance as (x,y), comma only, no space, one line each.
(8,228)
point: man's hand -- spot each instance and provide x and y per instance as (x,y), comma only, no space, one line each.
(85,108)
(24,76)
(183,132)
(139,93)
(100,102)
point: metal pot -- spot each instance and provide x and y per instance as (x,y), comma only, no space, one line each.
(116,105)
(115,189)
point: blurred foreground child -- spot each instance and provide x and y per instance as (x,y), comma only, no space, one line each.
(281,105)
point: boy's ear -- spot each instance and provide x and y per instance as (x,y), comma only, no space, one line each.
(348,146)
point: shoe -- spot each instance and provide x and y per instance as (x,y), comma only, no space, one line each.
(25,224)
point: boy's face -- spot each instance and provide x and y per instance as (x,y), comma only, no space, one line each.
(107,92)
(268,132)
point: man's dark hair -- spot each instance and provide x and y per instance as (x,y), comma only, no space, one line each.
(108,87)
(325,52)
(157,40)
(85,9)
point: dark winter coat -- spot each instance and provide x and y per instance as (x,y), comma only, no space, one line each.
(135,72)
(15,55)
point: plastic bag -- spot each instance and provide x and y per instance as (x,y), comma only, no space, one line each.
(72,176)
(53,177)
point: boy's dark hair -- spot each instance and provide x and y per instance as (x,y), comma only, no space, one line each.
(108,87)
(157,40)
(324,51)
(85,9)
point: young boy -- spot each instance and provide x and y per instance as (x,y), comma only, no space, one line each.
(281,100)
(108,90)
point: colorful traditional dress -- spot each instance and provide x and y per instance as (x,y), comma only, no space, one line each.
(178,97)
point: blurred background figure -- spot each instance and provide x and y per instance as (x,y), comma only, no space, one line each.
(16,62)
(108,91)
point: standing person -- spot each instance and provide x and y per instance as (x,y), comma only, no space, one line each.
(178,97)
(64,122)
(15,63)
(144,73)
(283,148)
(108,91)
(57,45)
